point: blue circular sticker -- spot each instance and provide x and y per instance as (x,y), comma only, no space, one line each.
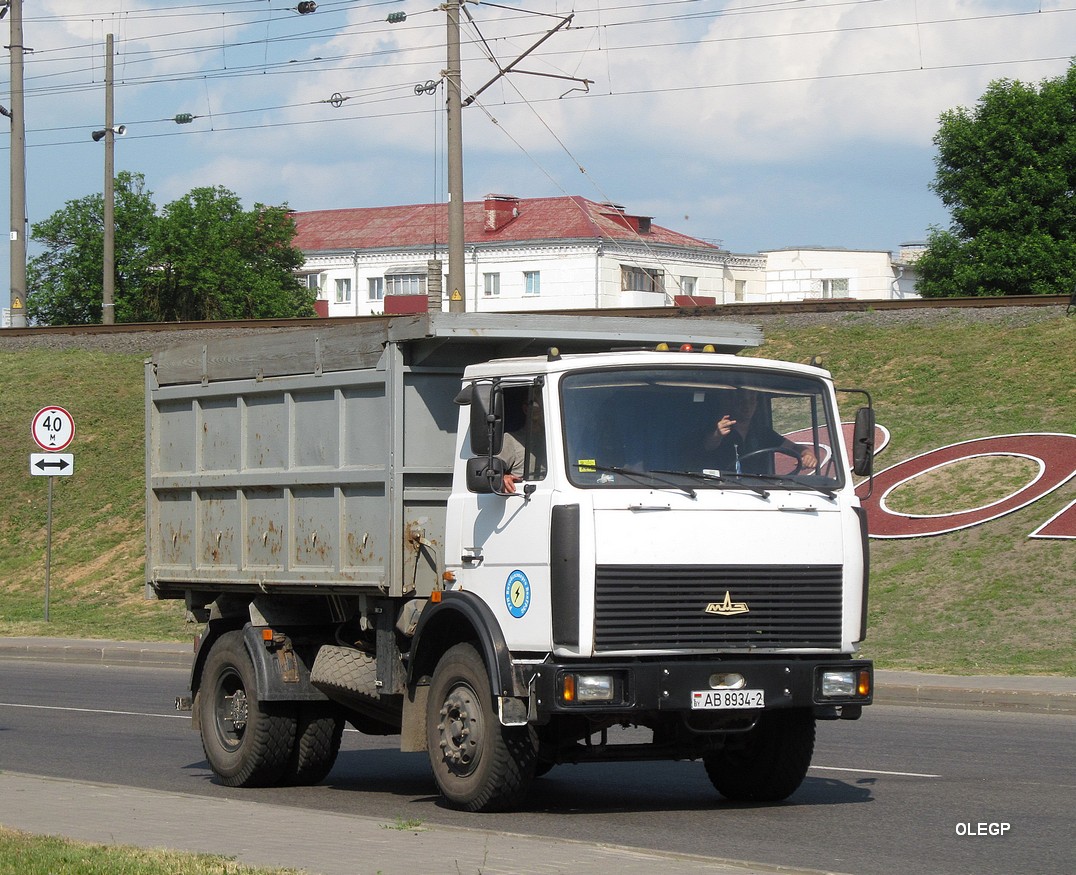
(517,593)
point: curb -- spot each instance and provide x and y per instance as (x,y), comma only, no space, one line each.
(98,651)
(1034,695)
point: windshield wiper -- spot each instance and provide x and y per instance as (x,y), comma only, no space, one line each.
(716,477)
(646,475)
(785,480)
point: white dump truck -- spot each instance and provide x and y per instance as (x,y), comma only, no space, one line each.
(513,541)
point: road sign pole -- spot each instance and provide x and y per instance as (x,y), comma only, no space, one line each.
(48,552)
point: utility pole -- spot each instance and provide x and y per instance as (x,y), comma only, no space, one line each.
(457,290)
(108,308)
(18,171)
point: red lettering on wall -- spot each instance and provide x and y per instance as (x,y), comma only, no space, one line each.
(1056,454)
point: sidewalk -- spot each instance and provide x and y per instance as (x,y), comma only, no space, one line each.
(277,836)
(1053,695)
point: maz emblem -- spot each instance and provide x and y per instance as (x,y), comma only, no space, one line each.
(728,607)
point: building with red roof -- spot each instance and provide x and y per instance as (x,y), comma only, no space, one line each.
(522,254)
(562,253)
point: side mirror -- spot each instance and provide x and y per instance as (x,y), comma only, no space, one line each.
(487,419)
(863,442)
(485,475)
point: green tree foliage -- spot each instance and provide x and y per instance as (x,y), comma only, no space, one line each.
(1007,172)
(202,257)
(216,261)
(66,282)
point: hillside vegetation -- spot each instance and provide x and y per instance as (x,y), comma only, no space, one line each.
(982,600)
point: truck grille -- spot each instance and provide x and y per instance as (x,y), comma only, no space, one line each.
(663,607)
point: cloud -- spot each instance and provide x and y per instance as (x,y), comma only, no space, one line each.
(762,124)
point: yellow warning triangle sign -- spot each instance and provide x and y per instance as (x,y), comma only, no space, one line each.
(456,296)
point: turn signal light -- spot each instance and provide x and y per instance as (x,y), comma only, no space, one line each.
(567,688)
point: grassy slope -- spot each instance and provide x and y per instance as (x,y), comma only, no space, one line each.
(96,579)
(984,600)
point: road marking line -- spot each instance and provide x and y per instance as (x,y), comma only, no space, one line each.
(93,711)
(874,772)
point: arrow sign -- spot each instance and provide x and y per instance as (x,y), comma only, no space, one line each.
(52,464)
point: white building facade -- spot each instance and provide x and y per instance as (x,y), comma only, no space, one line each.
(811,274)
(560,254)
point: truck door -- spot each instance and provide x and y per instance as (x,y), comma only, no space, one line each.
(505,537)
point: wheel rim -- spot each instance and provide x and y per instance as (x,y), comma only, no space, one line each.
(461,730)
(231,710)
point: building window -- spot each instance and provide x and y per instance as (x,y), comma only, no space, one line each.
(739,290)
(532,282)
(313,282)
(405,284)
(688,284)
(343,291)
(377,288)
(835,288)
(641,279)
(491,284)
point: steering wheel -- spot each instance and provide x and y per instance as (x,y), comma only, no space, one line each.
(783,450)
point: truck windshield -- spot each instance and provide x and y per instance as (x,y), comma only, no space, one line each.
(699,427)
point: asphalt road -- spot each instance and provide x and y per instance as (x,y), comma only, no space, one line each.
(897,791)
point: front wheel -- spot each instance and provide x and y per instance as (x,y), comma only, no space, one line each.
(768,763)
(479,765)
(247,743)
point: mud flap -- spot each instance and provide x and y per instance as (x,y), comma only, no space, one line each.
(413,731)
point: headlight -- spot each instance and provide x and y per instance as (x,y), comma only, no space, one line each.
(845,684)
(838,684)
(577,688)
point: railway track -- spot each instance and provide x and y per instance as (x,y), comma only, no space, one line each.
(733,312)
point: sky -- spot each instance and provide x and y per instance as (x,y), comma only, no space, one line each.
(753,125)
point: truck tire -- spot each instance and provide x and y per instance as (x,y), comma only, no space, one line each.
(768,763)
(349,676)
(478,764)
(247,742)
(318,731)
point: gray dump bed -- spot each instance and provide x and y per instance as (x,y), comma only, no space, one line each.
(320,459)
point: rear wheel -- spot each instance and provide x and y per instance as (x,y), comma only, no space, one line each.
(318,731)
(247,742)
(479,764)
(768,763)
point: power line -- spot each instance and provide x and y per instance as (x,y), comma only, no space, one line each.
(402,89)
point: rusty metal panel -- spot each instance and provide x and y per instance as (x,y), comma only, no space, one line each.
(320,460)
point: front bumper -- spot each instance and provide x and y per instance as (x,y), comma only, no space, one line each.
(667,685)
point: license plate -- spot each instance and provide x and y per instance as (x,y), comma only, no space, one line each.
(709,700)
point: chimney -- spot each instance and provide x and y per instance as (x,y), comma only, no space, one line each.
(618,214)
(500,210)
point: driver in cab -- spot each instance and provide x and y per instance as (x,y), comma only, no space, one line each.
(738,433)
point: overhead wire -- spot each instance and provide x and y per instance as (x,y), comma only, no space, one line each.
(331,64)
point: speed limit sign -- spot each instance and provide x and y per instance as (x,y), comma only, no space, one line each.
(53,429)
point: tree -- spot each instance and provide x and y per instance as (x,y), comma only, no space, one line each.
(215,261)
(203,257)
(1007,172)
(66,283)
